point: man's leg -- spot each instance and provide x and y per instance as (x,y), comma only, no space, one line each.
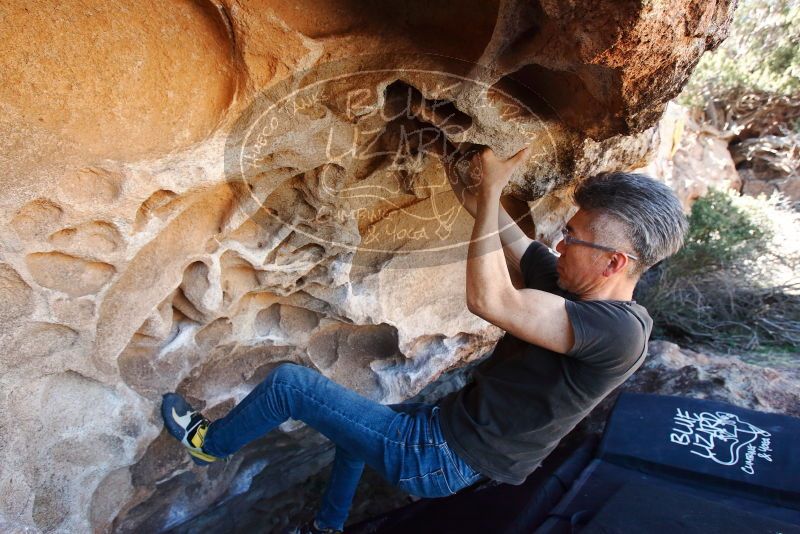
(345,475)
(342,484)
(292,391)
(400,444)
(363,430)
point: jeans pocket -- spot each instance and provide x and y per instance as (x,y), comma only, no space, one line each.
(467,474)
(432,484)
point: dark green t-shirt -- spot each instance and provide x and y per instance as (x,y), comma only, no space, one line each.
(523,399)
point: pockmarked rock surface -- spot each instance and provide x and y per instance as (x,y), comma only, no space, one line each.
(194,192)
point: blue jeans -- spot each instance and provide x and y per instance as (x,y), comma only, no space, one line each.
(402,442)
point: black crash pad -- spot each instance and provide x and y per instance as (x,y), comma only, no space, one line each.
(638,507)
(665,465)
(708,443)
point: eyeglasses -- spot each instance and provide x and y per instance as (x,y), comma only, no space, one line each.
(569,240)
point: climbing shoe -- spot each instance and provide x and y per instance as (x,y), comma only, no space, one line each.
(187,426)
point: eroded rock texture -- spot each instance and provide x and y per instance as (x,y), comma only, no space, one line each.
(160,231)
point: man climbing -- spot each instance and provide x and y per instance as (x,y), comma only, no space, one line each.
(573,333)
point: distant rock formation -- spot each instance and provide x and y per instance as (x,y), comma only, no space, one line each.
(160,231)
(691,156)
(764,139)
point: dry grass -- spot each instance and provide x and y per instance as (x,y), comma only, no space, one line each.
(735,284)
(719,311)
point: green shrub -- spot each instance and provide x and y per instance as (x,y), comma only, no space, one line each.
(723,230)
(734,284)
(761,53)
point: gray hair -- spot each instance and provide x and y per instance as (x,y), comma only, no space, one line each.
(649,212)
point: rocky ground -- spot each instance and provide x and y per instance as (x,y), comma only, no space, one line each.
(768,386)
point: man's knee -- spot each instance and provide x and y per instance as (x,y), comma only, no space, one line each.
(287,372)
(279,384)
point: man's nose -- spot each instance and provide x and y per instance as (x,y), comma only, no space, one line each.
(560,246)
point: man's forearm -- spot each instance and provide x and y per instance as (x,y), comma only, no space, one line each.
(510,232)
(466,198)
(487,274)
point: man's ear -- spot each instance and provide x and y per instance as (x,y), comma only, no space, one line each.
(616,264)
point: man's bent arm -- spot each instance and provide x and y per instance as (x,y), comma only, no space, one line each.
(534,316)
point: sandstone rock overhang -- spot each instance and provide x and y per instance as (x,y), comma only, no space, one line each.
(138,258)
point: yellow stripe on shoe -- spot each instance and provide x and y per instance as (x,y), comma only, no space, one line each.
(197,440)
(203,456)
(199,436)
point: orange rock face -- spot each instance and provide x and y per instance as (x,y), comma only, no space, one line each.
(195,191)
(116,79)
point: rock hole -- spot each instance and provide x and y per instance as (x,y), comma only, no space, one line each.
(157,205)
(186,307)
(267,322)
(298,323)
(195,283)
(87,239)
(404,101)
(352,347)
(238,277)
(36,219)
(74,276)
